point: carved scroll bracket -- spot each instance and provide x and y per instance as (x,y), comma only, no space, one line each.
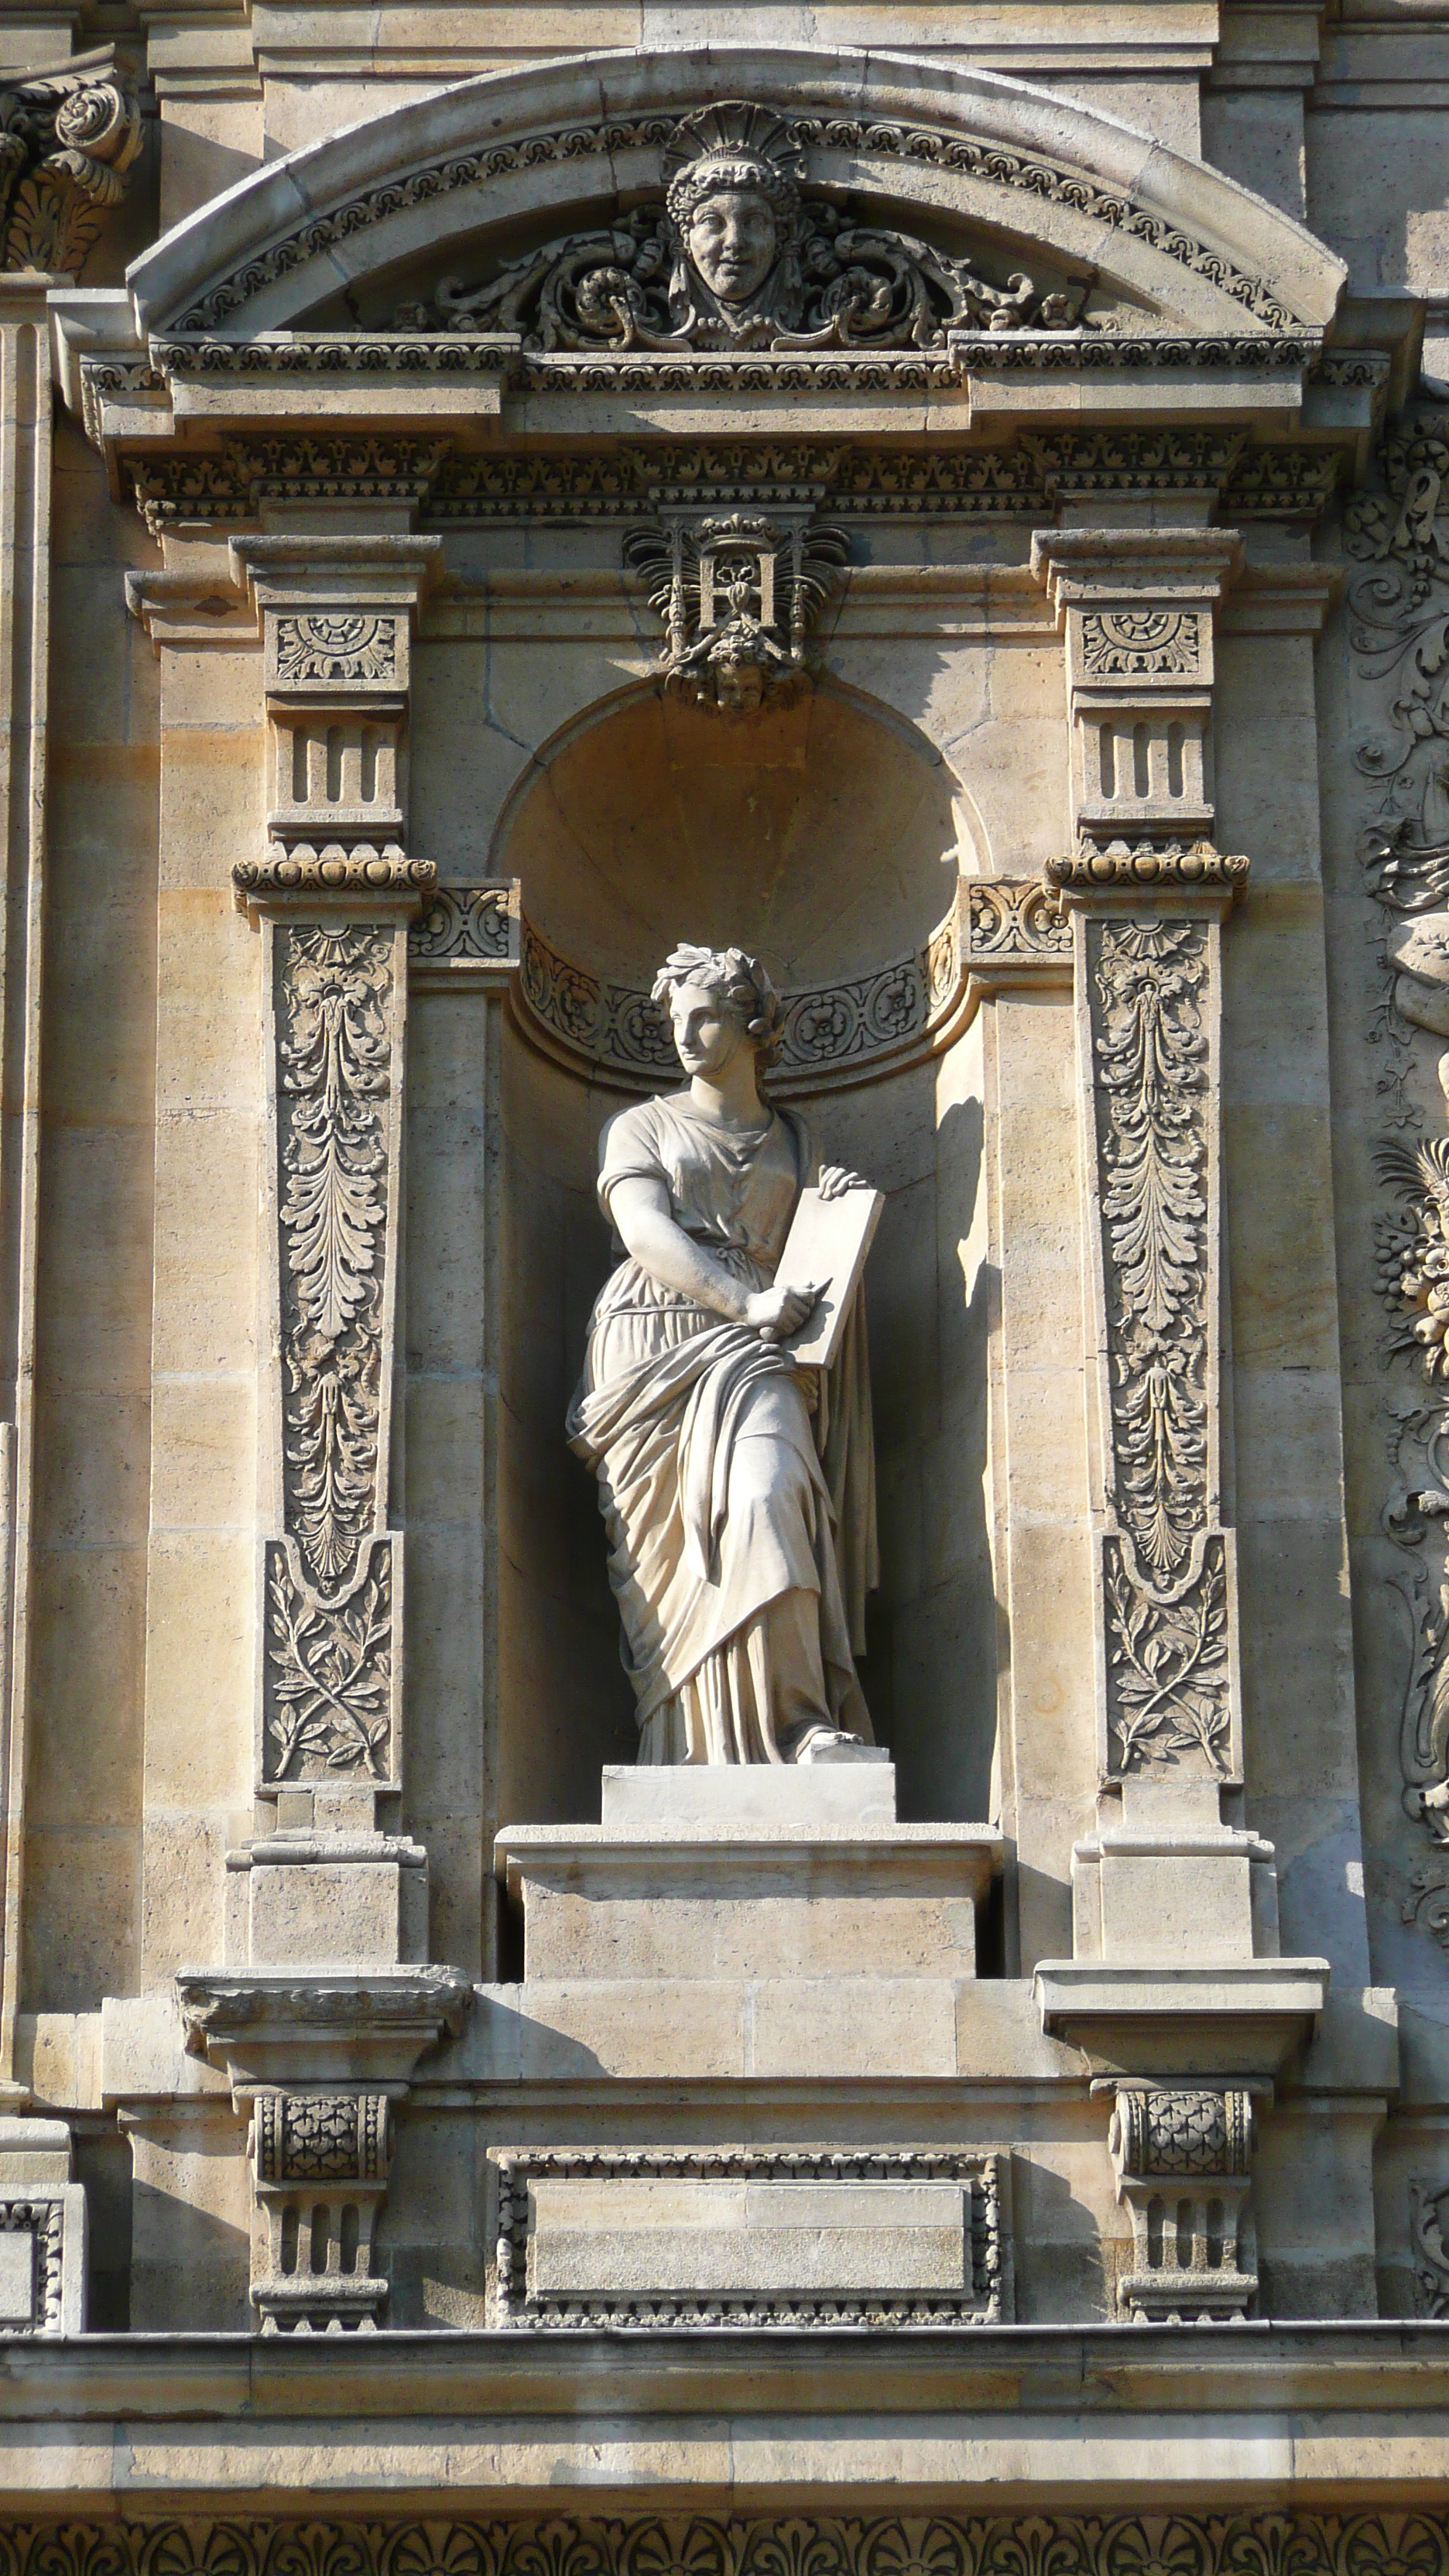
(1182,2159)
(67,145)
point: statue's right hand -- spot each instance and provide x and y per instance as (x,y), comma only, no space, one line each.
(776,1313)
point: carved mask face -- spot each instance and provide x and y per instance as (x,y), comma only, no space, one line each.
(733,240)
(708,1031)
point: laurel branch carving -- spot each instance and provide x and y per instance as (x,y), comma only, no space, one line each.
(328,1693)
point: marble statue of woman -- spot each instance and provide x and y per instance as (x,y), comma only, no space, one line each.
(738,1491)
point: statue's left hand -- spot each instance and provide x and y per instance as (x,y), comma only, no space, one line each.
(835,1180)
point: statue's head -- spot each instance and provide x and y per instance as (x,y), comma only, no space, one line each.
(734,198)
(718,1000)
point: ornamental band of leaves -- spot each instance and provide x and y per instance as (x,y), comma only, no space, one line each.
(828,1027)
(1164,1577)
(1026,480)
(1115,209)
(1374,2541)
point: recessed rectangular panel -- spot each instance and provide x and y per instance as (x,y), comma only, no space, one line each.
(677,2237)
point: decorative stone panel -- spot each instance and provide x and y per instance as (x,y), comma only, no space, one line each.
(654,2237)
(1147,924)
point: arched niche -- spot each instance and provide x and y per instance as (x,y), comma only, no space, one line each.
(828,836)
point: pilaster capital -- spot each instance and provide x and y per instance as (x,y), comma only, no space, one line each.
(378,565)
(1171,879)
(1089,568)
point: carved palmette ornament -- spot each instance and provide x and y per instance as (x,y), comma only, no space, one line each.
(335,648)
(737,595)
(816,280)
(1140,643)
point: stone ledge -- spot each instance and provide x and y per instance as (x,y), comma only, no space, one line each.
(1127,2017)
(863,2419)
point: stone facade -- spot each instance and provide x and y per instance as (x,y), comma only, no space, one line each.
(1008,590)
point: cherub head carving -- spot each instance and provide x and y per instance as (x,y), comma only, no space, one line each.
(734,200)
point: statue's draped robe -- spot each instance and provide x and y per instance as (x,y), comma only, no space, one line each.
(738,1493)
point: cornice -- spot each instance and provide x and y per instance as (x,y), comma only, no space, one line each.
(443,482)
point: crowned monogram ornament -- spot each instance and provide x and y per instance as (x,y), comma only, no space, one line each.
(736,257)
(737,594)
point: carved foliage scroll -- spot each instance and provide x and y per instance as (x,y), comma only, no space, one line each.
(334,1046)
(1165,1569)
(1398,625)
(331,1582)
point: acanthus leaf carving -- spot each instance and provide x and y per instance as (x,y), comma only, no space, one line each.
(334,1046)
(66,147)
(1151,1050)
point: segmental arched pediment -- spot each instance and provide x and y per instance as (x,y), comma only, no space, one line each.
(938,187)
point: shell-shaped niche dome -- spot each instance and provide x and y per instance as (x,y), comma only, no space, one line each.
(821,835)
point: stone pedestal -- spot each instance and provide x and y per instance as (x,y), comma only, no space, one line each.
(749,1872)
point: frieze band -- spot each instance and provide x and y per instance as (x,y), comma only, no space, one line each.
(1367,2542)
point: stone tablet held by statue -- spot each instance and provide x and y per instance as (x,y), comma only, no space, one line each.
(828,1241)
